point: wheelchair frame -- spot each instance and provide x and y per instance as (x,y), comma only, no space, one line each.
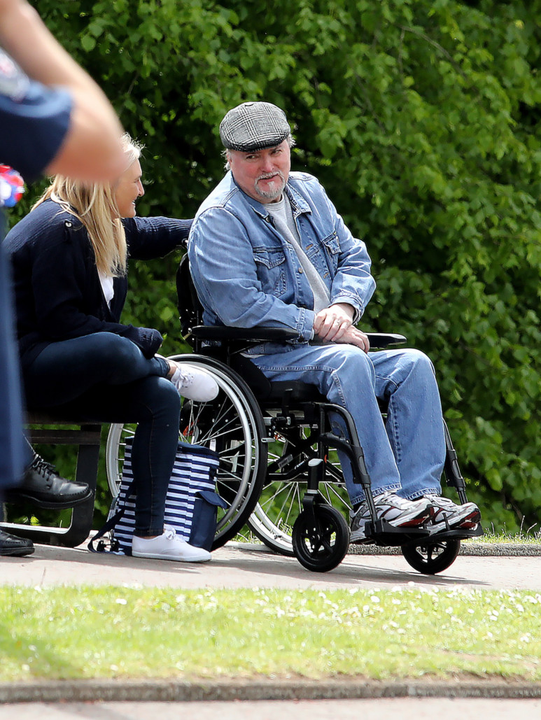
(295,415)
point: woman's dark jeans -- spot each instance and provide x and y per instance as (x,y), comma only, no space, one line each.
(105,377)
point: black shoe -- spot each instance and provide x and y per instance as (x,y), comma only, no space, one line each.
(15,546)
(43,487)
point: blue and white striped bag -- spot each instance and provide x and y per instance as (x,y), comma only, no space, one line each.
(190,507)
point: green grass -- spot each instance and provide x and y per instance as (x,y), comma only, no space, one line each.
(118,632)
(502,537)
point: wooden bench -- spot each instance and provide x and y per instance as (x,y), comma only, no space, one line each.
(87,437)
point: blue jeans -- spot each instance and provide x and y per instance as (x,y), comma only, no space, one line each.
(13,454)
(406,454)
(104,377)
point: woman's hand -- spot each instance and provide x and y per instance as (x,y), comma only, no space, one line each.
(173,367)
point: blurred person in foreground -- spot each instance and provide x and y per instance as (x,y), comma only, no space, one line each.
(53,118)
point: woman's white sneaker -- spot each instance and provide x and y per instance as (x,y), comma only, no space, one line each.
(195,384)
(168,546)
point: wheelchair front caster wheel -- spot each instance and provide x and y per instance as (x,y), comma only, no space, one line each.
(432,556)
(321,546)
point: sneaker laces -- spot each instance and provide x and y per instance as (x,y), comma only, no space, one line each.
(169,532)
(443,507)
(441,500)
(181,379)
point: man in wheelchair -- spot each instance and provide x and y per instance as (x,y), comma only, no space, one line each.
(268,248)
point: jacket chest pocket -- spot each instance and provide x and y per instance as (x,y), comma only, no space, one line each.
(271,270)
(332,246)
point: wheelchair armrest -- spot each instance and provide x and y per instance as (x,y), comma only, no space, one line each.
(250,335)
(383,340)
(269,334)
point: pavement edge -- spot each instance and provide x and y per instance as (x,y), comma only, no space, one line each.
(229,690)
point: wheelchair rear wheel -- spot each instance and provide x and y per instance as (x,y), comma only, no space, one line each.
(232,426)
(432,556)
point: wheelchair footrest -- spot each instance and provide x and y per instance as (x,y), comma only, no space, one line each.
(384,534)
(458,534)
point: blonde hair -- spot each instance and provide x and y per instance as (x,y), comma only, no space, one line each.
(95,206)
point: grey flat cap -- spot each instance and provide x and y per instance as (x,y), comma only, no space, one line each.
(254,126)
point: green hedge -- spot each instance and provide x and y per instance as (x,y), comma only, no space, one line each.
(421,119)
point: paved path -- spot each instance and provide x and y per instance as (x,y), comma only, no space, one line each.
(381,709)
(251,566)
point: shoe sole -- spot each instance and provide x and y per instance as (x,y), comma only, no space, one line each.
(356,535)
(354,538)
(155,556)
(45,504)
(16,551)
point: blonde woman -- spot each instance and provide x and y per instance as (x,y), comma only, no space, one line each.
(69,257)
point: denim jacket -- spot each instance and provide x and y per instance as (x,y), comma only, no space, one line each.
(247,275)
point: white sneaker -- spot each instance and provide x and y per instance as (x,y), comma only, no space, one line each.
(447,515)
(168,546)
(195,384)
(397,511)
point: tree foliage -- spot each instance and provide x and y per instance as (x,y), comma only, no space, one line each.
(421,119)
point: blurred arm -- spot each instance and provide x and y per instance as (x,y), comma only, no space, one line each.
(91,149)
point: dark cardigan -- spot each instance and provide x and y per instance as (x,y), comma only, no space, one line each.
(57,287)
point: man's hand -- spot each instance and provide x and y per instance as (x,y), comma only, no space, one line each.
(353,336)
(331,324)
(335,324)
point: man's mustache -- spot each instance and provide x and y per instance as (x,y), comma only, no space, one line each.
(267,176)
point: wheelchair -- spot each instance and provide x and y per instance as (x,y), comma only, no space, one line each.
(279,471)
